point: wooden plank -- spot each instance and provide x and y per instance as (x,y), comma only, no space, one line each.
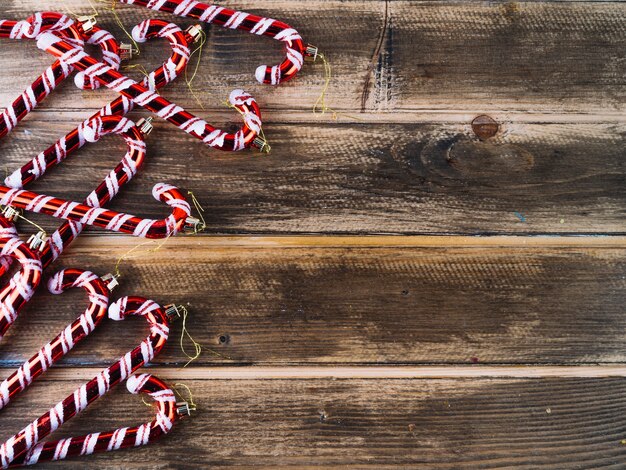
(296,305)
(367,178)
(473,424)
(475,371)
(396,58)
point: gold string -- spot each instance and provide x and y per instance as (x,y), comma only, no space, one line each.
(197,346)
(39,227)
(320,108)
(201,211)
(188,80)
(126,255)
(190,402)
(95,10)
(118,21)
(141,69)
(20,216)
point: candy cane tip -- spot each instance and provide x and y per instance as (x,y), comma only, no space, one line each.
(260,73)
(14,180)
(133,384)
(90,134)
(234,95)
(115,312)
(137,36)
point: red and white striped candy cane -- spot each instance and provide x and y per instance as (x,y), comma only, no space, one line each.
(15,448)
(22,285)
(90,131)
(12,297)
(172,68)
(296,50)
(168,413)
(73,54)
(177,221)
(98,126)
(43,86)
(75,139)
(31,28)
(52,352)
(123,173)
(110,55)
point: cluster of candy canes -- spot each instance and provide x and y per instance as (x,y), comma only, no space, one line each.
(64,39)
(44,85)
(73,54)
(168,412)
(13,299)
(90,131)
(52,352)
(296,50)
(23,448)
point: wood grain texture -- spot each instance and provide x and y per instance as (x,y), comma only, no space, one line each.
(283,305)
(468,424)
(367,352)
(367,178)
(400,57)
(432,177)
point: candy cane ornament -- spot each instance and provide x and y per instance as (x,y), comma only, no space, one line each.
(92,130)
(296,50)
(98,292)
(108,189)
(74,54)
(54,75)
(39,252)
(111,55)
(169,412)
(15,448)
(74,140)
(176,222)
(22,285)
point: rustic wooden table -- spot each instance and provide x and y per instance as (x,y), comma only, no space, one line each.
(384,288)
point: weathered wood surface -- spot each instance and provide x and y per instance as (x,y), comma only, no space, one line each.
(355,178)
(412,328)
(563,174)
(399,57)
(304,305)
(469,424)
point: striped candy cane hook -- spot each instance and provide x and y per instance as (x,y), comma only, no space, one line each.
(53,75)
(52,352)
(248,136)
(76,139)
(45,84)
(168,414)
(177,221)
(22,285)
(90,131)
(296,50)
(14,450)
(102,124)
(168,71)
(110,56)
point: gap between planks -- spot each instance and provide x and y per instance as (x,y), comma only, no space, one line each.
(352,116)
(118,242)
(364,372)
